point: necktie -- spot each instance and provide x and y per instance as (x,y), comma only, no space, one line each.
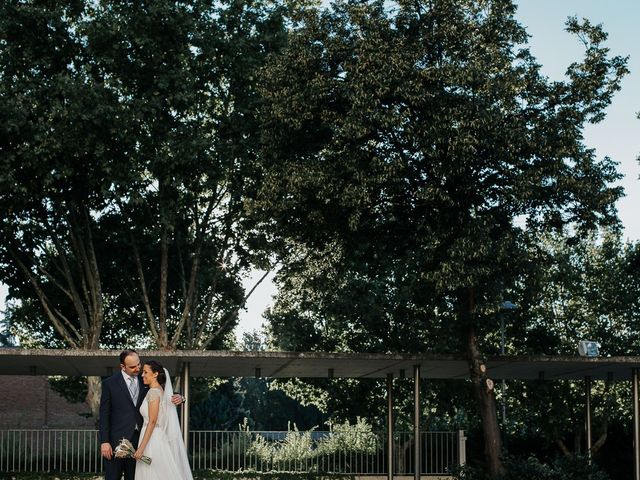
(133,389)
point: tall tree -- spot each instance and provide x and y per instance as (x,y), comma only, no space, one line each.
(579,289)
(59,158)
(185,74)
(127,140)
(139,120)
(425,131)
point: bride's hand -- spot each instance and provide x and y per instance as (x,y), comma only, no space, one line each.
(138,454)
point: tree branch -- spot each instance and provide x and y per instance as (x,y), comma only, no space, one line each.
(232,315)
(76,300)
(195,266)
(64,333)
(145,295)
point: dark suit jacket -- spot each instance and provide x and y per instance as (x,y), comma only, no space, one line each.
(118,415)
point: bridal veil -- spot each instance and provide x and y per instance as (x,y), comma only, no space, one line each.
(173,433)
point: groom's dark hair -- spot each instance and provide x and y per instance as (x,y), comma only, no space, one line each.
(156,367)
(125,353)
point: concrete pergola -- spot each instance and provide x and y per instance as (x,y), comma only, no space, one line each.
(196,363)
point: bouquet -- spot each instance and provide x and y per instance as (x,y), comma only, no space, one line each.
(125,450)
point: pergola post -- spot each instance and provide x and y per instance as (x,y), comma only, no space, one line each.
(587,414)
(416,422)
(636,425)
(389,426)
(184,417)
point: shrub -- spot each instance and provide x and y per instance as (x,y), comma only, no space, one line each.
(530,468)
(298,449)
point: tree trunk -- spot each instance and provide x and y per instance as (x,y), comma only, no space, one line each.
(94,390)
(164,276)
(483,390)
(563,448)
(605,419)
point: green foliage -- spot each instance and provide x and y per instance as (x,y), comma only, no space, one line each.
(221,409)
(129,141)
(299,448)
(258,401)
(197,475)
(6,338)
(57,166)
(530,468)
(587,288)
(581,289)
(73,389)
(414,155)
(48,476)
(344,437)
(296,447)
(217,475)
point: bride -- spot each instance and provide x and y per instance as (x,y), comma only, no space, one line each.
(161,439)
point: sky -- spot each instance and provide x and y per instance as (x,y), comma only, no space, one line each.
(618,136)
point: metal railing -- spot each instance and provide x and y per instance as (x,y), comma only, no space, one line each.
(49,451)
(79,451)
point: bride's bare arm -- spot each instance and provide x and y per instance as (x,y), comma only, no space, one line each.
(154,408)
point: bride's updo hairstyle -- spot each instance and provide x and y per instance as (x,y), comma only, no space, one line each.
(157,368)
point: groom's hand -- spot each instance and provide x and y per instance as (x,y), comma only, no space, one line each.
(105,450)
(177,399)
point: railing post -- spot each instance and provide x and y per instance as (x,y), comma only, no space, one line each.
(636,424)
(184,419)
(389,426)
(416,423)
(587,415)
(462,448)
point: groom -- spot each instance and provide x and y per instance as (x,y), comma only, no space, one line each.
(122,395)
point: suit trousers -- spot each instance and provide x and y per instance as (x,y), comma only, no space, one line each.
(116,467)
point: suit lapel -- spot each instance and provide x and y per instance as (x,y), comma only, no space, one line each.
(123,386)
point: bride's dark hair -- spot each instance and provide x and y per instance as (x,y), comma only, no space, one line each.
(156,367)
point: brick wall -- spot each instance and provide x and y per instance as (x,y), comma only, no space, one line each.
(29,402)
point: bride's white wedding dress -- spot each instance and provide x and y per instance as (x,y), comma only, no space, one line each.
(165,447)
